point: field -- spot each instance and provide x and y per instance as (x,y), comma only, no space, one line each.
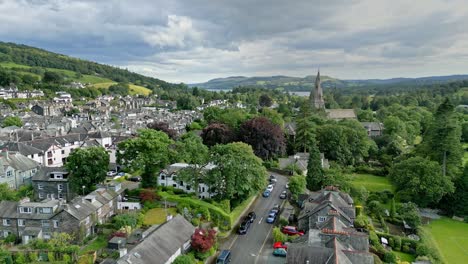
(372,183)
(452,239)
(136,89)
(404,256)
(157,216)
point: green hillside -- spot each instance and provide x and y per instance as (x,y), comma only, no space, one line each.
(25,66)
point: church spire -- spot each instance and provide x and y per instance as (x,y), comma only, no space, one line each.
(316,95)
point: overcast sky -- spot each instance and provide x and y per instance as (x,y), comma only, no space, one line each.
(197,40)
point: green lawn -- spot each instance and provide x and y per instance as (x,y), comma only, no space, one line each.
(136,89)
(452,239)
(372,183)
(98,243)
(404,256)
(157,216)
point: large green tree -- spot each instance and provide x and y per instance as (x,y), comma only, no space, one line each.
(421,179)
(315,175)
(297,185)
(238,173)
(305,129)
(149,152)
(87,167)
(457,203)
(441,142)
(190,149)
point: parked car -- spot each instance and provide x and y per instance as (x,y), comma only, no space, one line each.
(224,257)
(111,173)
(270,187)
(135,179)
(266,193)
(244,226)
(276,208)
(279,252)
(280,244)
(271,217)
(273,179)
(251,216)
(291,230)
(283,195)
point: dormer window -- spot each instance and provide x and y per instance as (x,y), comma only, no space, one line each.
(46,210)
(26,210)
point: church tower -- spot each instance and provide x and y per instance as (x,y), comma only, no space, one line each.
(316,95)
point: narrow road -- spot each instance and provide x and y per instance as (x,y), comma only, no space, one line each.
(255,246)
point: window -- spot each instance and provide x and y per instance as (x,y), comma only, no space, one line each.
(45,223)
(41,196)
(25,210)
(56,223)
(6,222)
(181,183)
(187,187)
(174,185)
(46,235)
(40,187)
(50,162)
(21,222)
(58,176)
(63,152)
(9,174)
(60,195)
(46,210)
(162,177)
(6,233)
(59,187)
(322,219)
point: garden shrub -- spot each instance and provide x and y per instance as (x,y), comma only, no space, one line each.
(361,221)
(178,191)
(389,257)
(278,236)
(405,248)
(283,221)
(397,242)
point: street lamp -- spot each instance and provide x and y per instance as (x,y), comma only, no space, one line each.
(83,187)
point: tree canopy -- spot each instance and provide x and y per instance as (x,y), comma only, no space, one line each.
(266,138)
(149,153)
(422,180)
(238,173)
(87,167)
(12,121)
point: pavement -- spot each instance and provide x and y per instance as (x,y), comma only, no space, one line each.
(256,246)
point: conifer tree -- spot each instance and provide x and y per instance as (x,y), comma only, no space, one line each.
(315,175)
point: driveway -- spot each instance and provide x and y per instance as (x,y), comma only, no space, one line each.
(256,245)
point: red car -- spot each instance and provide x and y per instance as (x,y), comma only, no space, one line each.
(280,245)
(291,230)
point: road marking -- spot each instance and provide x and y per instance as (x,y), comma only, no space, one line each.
(264,242)
(259,222)
(234,241)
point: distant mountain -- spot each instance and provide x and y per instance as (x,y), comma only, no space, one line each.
(308,82)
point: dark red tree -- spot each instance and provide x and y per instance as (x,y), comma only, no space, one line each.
(217,133)
(267,139)
(164,127)
(203,240)
(148,195)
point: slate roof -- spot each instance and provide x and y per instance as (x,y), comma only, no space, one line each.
(164,242)
(43,174)
(341,114)
(20,147)
(20,162)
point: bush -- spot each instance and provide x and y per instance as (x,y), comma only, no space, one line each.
(389,257)
(283,221)
(20,258)
(203,256)
(406,248)
(32,256)
(391,242)
(278,236)
(361,221)
(422,250)
(179,191)
(225,205)
(51,256)
(397,242)
(184,259)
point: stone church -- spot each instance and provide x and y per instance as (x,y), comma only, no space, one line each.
(318,103)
